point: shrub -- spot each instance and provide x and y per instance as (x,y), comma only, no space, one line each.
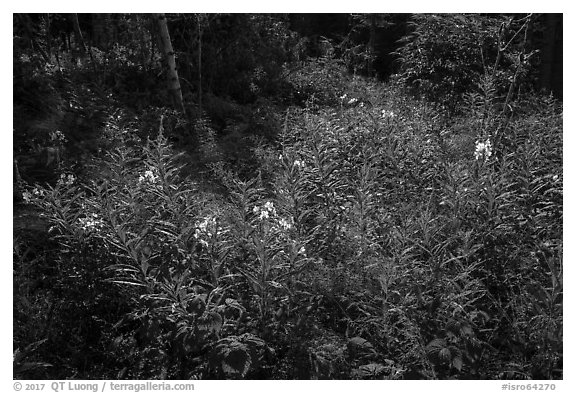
(446,55)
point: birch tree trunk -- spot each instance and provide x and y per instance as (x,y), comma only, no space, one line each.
(548,49)
(168,51)
(372,45)
(80,38)
(100,30)
(78,33)
(199,21)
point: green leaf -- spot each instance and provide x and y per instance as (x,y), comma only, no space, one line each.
(211,322)
(234,304)
(466,330)
(369,370)
(435,346)
(236,361)
(457,363)
(27,366)
(445,354)
(197,305)
(235,355)
(275,284)
(135,283)
(360,346)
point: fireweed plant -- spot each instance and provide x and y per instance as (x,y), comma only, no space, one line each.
(378,239)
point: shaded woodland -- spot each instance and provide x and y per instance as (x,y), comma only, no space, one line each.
(287,196)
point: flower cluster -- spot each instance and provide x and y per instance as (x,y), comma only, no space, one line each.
(206,229)
(91,222)
(66,180)
(149,176)
(28,196)
(299,164)
(268,212)
(483,149)
(297,249)
(57,136)
(265,211)
(388,114)
(284,224)
(296,163)
(350,102)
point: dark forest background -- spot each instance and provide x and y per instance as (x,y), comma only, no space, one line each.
(287,196)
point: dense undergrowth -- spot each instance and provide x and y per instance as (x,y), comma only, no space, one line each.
(363,234)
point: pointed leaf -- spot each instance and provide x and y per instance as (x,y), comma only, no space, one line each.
(435,346)
(371,370)
(212,322)
(457,363)
(237,361)
(358,345)
(445,354)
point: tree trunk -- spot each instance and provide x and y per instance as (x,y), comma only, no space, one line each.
(100,36)
(83,47)
(199,21)
(166,48)
(548,52)
(558,68)
(372,45)
(78,32)
(16,182)
(48,37)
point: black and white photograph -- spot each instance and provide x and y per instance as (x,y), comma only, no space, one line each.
(286,196)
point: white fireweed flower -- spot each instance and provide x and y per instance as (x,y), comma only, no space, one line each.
(91,222)
(206,225)
(265,211)
(388,114)
(483,149)
(57,136)
(27,196)
(270,207)
(207,229)
(66,180)
(299,164)
(284,224)
(253,88)
(302,251)
(149,177)
(38,192)
(352,101)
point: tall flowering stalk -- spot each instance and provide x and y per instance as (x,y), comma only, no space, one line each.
(483,150)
